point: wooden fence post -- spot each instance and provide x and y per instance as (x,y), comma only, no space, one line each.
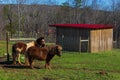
(7,40)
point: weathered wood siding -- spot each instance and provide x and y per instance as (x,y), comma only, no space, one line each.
(87,40)
(101,40)
(68,38)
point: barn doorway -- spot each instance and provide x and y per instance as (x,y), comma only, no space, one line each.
(84,40)
(84,46)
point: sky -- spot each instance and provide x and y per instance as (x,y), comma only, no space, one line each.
(101,2)
(29,1)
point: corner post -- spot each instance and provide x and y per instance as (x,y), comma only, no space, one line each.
(7,40)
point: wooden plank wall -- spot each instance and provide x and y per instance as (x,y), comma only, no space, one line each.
(101,40)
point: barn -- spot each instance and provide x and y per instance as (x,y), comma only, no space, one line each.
(84,37)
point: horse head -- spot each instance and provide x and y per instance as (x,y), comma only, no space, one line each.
(58,50)
(40,42)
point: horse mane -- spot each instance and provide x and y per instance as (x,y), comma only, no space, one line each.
(52,48)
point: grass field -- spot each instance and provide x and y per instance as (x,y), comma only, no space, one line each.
(70,66)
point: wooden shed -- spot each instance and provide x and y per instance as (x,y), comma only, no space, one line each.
(84,37)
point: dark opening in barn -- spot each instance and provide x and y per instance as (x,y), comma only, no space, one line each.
(84,37)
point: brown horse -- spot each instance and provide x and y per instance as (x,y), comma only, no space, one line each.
(20,48)
(43,54)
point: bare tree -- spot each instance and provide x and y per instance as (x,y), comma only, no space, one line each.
(19,4)
(8,14)
(35,18)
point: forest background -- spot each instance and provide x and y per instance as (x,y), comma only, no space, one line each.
(26,18)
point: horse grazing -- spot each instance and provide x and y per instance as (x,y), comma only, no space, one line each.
(20,48)
(43,54)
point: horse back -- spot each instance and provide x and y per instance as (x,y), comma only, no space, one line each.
(37,53)
(19,47)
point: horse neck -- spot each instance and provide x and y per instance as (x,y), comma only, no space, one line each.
(52,50)
(50,55)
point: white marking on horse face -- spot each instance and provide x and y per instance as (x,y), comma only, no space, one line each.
(43,40)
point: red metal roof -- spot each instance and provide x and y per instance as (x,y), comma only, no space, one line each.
(86,26)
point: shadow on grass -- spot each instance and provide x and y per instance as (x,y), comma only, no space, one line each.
(3,61)
(17,66)
(8,64)
(20,67)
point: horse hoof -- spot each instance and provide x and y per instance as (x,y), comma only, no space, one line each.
(31,67)
(27,64)
(20,64)
(14,63)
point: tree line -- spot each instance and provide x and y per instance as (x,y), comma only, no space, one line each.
(34,19)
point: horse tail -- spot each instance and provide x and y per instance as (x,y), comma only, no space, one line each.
(14,54)
(13,49)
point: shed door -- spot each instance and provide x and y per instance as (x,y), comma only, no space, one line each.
(84,45)
(84,41)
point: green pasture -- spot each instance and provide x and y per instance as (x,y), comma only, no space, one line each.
(70,66)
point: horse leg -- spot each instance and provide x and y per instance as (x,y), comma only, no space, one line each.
(26,60)
(47,66)
(31,63)
(19,59)
(14,58)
